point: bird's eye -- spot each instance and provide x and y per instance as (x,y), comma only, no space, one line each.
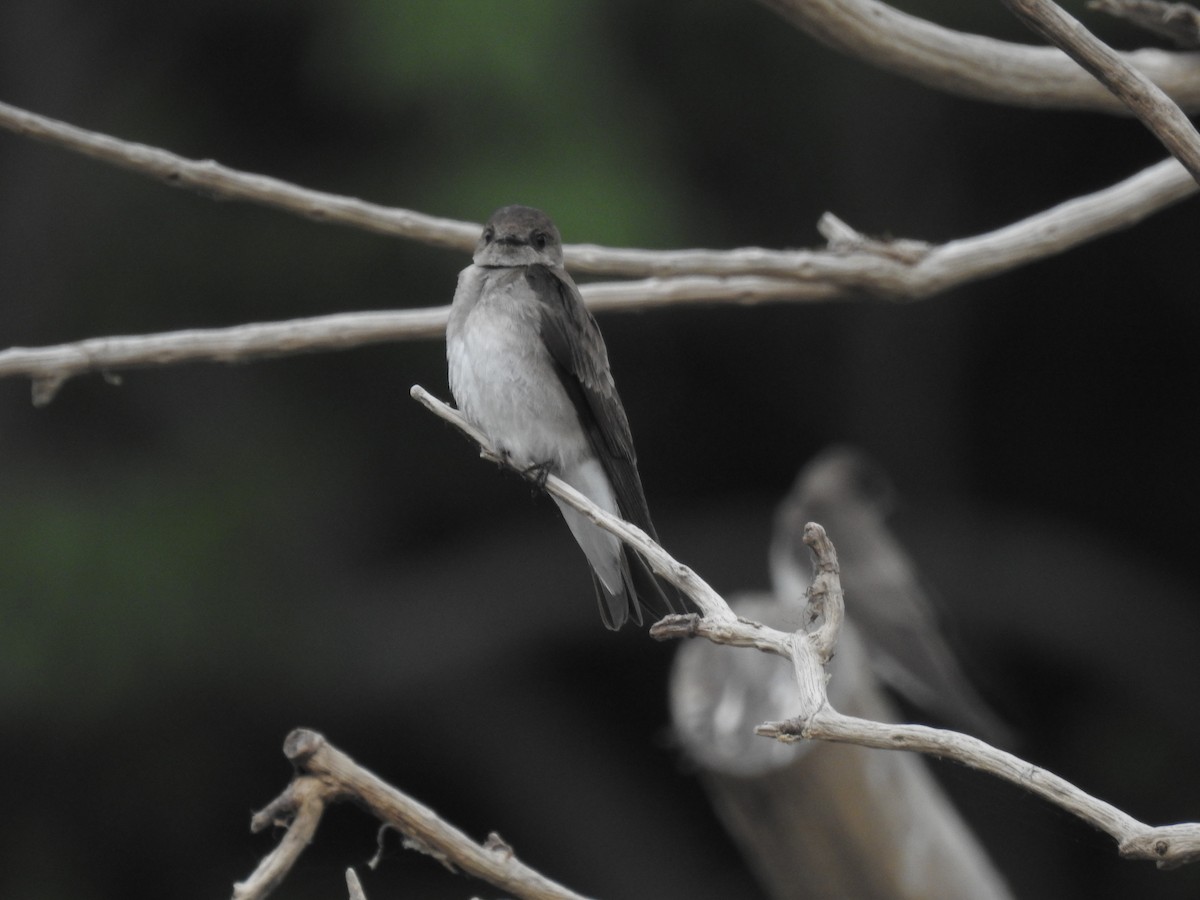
(539,240)
(488,234)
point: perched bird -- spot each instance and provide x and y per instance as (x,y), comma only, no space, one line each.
(850,495)
(529,368)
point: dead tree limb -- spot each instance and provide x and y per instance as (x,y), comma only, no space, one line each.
(326,775)
(1145,99)
(809,649)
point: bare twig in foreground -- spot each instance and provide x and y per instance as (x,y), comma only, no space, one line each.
(1144,98)
(325,775)
(809,649)
(354,886)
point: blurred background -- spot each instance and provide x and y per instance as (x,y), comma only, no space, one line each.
(200,559)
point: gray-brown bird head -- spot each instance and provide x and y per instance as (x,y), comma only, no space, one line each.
(519,236)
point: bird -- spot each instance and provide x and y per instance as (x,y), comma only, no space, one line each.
(848,492)
(527,365)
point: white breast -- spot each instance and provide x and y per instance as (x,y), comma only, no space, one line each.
(501,374)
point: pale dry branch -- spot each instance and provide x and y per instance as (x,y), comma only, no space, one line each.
(1169,846)
(880,811)
(354,887)
(854,264)
(215,180)
(876,267)
(809,650)
(300,807)
(975,66)
(1145,99)
(1178,21)
(212,179)
(825,598)
(325,775)
(716,611)
(51,367)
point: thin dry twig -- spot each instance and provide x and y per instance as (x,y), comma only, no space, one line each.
(300,807)
(975,66)
(326,774)
(1178,21)
(212,179)
(354,887)
(1144,98)
(810,648)
(51,367)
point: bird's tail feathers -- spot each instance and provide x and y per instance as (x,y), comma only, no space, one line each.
(655,596)
(640,590)
(615,608)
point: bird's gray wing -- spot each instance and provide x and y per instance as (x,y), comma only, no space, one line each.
(573,338)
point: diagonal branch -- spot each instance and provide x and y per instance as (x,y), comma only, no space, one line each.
(209,177)
(1143,97)
(326,774)
(1178,21)
(709,601)
(354,886)
(810,648)
(971,65)
(300,807)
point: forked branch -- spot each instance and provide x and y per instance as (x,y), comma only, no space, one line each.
(1145,99)
(973,65)
(851,265)
(326,775)
(809,649)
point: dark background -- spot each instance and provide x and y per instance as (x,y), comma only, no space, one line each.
(199,560)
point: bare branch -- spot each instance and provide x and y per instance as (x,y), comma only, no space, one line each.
(885,809)
(1169,845)
(1178,21)
(974,66)
(853,264)
(300,806)
(903,269)
(825,594)
(210,178)
(809,650)
(327,775)
(1143,97)
(51,367)
(874,266)
(709,601)
(354,887)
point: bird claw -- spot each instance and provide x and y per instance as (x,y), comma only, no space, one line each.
(537,473)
